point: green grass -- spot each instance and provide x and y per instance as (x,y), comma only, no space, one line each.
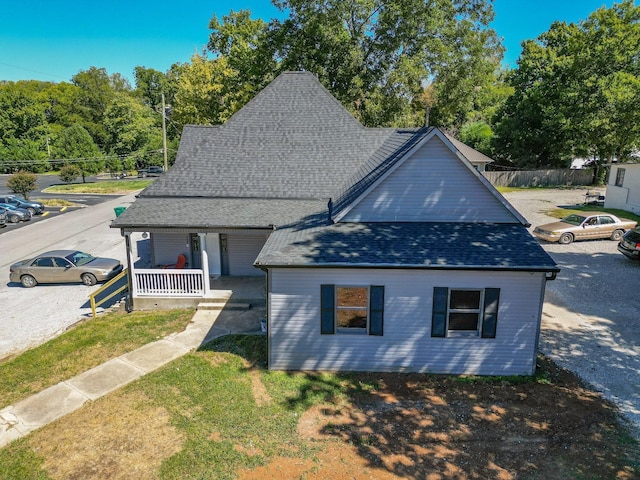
(212,414)
(104,186)
(83,347)
(564,212)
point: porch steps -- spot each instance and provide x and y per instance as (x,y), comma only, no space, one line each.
(223,305)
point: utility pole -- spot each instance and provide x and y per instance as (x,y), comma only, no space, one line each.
(164,135)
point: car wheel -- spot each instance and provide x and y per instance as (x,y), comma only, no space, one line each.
(88,279)
(617,235)
(14,218)
(32,211)
(28,281)
(565,239)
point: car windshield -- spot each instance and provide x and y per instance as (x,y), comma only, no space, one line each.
(574,219)
(8,206)
(79,258)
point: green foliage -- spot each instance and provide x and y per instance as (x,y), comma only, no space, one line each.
(69,173)
(477,135)
(376,56)
(206,93)
(576,93)
(22,182)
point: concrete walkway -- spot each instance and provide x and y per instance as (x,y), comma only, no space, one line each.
(65,397)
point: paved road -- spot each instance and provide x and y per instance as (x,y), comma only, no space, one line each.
(591,317)
(44,181)
(31,316)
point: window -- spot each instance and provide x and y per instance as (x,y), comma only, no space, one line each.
(351,309)
(465,312)
(606,220)
(620,177)
(43,262)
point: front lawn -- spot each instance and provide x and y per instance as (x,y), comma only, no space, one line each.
(218,413)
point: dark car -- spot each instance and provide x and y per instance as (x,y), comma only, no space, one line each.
(64,266)
(151,171)
(34,208)
(629,246)
(15,214)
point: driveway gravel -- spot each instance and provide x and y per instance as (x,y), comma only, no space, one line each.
(591,316)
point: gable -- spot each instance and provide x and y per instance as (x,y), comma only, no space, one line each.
(432,184)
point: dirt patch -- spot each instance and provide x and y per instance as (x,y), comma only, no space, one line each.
(435,427)
(120,437)
(259,391)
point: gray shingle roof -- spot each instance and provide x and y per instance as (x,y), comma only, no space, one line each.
(469,153)
(293,140)
(407,245)
(217,212)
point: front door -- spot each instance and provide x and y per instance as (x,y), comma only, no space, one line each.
(196,253)
(224,255)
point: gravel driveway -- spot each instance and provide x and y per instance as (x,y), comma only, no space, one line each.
(591,316)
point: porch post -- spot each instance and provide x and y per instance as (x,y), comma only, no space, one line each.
(205,263)
(130,262)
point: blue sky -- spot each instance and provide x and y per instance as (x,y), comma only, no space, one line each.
(54,39)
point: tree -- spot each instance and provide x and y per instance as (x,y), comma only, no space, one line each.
(22,182)
(206,93)
(376,56)
(74,144)
(69,173)
(576,92)
(93,95)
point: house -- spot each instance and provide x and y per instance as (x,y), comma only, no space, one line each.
(623,187)
(381,249)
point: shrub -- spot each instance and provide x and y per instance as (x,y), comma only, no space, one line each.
(22,182)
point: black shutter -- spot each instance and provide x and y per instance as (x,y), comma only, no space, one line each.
(490,317)
(327,309)
(376,309)
(439,316)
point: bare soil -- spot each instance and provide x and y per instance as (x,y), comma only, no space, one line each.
(432,427)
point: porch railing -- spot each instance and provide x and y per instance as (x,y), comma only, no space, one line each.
(168,283)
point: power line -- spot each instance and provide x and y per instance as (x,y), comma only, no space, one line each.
(105,158)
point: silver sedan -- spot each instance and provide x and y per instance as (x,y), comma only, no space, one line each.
(64,266)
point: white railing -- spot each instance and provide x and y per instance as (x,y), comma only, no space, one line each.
(168,283)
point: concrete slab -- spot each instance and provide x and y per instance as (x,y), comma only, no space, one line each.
(47,406)
(154,355)
(194,337)
(9,426)
(105,378)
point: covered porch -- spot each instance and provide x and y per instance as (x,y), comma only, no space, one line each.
(154,285)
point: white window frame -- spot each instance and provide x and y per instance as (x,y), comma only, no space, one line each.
(478,311)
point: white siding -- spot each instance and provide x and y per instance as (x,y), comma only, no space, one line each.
(295,342)
(627,196)
(243,249)
(165,247)
(433,185)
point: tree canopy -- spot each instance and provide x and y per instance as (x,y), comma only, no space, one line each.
(576,92)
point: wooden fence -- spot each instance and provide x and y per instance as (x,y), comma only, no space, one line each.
(540,178)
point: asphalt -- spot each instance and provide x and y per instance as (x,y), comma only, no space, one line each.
(53,403)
